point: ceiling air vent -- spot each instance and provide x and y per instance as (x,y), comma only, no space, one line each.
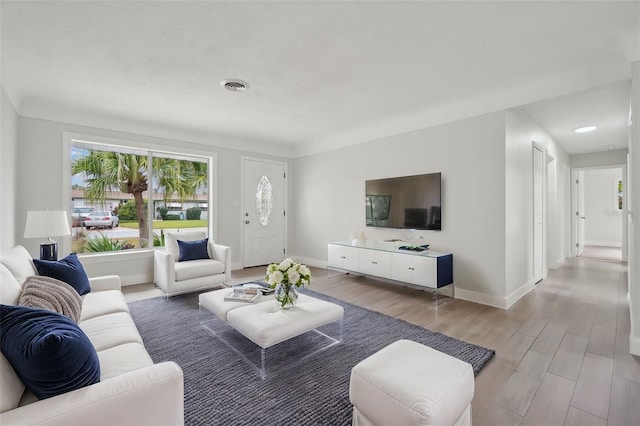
(235,85)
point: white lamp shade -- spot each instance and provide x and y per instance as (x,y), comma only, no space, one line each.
(46,223)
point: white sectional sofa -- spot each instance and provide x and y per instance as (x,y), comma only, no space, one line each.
(132,389)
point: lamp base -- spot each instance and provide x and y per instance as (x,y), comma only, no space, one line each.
(49,250)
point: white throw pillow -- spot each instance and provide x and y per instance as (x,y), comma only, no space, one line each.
(10,288)
(18,261)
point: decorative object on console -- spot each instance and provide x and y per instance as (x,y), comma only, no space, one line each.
(415,248)
(47,223)
(69,270)
(285,277)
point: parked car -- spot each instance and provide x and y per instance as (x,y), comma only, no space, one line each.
(79,214)
(101,220)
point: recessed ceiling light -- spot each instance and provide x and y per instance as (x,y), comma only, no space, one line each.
(585,129)
(235,85)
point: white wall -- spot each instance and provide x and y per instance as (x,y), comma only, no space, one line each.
(8,172)
(328,189)
(599,159)
(40,176)
(634,216)
(603,224)
(521,133)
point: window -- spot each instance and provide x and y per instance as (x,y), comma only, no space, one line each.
(146,193)
(264,200)
(180,187)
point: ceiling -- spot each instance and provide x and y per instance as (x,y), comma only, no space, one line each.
(322,74)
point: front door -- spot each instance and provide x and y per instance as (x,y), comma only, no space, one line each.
(263,212)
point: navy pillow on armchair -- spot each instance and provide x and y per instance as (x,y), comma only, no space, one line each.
(193,250)
(48,351)
(69,270)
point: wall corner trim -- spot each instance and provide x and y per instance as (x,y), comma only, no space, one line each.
(634,345)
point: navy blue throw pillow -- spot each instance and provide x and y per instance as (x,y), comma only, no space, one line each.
(48,351)
(193,250)
(69,270)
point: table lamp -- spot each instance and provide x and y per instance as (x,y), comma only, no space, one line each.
(47,223)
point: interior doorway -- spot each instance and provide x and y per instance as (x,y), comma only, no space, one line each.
(599,203)
(539,166)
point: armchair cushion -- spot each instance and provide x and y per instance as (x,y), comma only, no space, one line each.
(69,270)
(193,250)
(198,268)
(48,351)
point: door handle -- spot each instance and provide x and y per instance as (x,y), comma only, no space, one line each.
(246,221)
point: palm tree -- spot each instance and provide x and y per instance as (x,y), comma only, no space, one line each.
(115,171)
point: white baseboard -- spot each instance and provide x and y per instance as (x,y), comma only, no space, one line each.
(482,298)
(495,301)
(519,293)
(602,244)
(558,263)
(634,341)
(311,262)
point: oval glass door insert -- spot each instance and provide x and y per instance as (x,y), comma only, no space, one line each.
(264,200)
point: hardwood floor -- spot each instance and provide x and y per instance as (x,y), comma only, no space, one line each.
(562,352)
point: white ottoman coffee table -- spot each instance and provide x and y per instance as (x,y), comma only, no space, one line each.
(266,325)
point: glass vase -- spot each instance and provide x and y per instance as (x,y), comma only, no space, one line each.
(286,295)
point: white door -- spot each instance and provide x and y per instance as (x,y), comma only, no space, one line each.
(580,216)
(538,213)
(263,212)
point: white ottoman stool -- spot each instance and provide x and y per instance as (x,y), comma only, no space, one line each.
(407,383)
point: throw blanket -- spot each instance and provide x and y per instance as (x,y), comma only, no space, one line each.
(51,294)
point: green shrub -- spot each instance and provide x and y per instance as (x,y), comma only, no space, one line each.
(158,240)
(171,216)
(163,212)
(127,211)
(104,243)
(194,213)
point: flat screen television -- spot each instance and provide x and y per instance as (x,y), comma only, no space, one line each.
(407,202)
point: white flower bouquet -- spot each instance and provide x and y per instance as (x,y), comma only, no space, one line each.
(284,276)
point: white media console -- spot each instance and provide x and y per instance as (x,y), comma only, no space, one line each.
(386,260)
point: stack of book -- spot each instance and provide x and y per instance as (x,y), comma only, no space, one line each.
(248,292)
(239,294)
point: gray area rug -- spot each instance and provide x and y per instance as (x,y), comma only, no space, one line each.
(221,389)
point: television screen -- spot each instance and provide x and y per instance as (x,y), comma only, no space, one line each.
(410,202)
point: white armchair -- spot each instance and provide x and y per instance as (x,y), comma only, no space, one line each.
(175,277)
